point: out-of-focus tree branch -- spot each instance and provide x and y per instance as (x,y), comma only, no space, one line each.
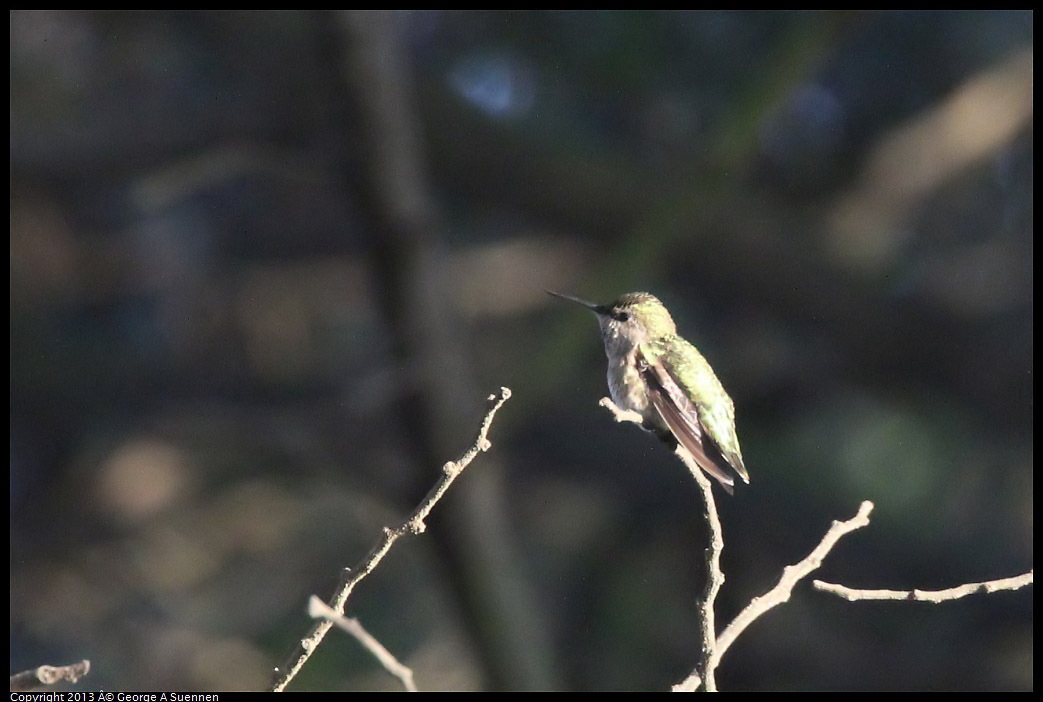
(411,262)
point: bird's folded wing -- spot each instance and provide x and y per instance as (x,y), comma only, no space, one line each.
(681,415)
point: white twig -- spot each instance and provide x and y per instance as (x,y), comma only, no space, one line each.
(319,609)
(414,524)
(952,593)
(704,672)
(791,575)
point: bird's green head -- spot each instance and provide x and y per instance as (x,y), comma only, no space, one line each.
(644,311)
(630,320)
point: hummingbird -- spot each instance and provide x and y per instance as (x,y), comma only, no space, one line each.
(657,374)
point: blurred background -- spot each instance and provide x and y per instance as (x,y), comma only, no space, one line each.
(266,266)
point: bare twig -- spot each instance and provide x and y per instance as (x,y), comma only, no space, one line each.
(414,524)
(704,671)
(714,575)
(620,414)
(791,575)
(48,675)
(952,593)
(320,610)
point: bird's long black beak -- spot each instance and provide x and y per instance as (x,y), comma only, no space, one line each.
(597,309)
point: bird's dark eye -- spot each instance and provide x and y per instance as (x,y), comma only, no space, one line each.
(622,316)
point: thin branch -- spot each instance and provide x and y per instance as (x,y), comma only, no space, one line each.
(620,414)
(706,668)
(414,524)
(320,610)
(952,593)
(791,575)
(48,675)
(704,672)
